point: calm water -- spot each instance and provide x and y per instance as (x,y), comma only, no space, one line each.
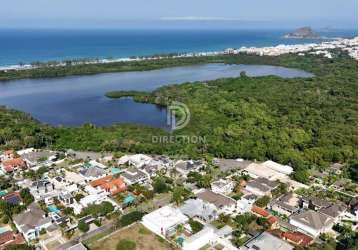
(40,45)
(76,100)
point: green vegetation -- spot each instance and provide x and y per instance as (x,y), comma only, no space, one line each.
(126,245)
(83,227)
(195,226)
(308,122)
(129,218)
(138,96)
(262,201)
(160,185)
(88,69)
(102,209)
(26,196)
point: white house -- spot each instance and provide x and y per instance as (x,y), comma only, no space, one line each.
(224,204)
(222,186)
(163,221)
(284,169)
(312,222)
(32,221)
(261,186)
(200,239)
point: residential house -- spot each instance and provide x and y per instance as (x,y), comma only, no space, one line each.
(256,170)
(109,184)
(10,238)
(284,169)
(223,204)
(164,221)
(35,158)
(133,175)
(78,246)
(43,189)
(151,170)
(266,241)
(7,155)
(95,196)
(286,204)
(335,211)
(227,165)
(314,203)
(12,197)
(272,220)
(246,202)
(196,208)
(261,186)
(202,238)
(72,177)
(137,160)
(185,167)
(92,173)
(312,222)
(222,186)
(12,165)
(32,221)
(66,198)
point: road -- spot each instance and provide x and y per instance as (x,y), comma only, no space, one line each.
(85,236)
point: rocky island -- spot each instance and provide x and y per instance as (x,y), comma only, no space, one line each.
(303,33)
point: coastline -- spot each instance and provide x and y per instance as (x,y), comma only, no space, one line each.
(270,51)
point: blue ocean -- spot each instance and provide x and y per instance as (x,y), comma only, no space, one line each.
(27,46)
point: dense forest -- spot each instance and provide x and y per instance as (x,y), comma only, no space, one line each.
(300,121)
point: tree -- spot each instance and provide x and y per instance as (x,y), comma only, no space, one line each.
(83,227)
(107,207)
(195,226)
(353,172)
(177,195)
(301,175)
(262,201)
(129,218)
(68,211)
(160,186)
(17,247)
(26,196)
(126,245)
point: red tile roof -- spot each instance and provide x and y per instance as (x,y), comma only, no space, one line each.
(298,238)
(110,184)
(260,211)
(10,238)
(9,165)
(272,220)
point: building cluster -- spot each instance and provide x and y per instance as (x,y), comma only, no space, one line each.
(75,181)
(325,49)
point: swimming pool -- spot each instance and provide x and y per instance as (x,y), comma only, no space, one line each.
(53,209)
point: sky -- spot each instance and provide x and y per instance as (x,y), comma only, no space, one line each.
(177,13)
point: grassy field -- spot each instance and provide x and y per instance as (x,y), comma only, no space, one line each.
(144,239)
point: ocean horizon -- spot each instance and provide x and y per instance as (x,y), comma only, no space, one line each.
(26,46)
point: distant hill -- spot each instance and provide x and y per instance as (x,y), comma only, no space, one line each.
(302,33)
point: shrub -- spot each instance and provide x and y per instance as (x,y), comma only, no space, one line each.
(83,227)
(126,245)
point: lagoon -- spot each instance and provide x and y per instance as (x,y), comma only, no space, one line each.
(75,100)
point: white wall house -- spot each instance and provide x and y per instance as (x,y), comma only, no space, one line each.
(200,239)
(312,222)
(163,221)
(222,186)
